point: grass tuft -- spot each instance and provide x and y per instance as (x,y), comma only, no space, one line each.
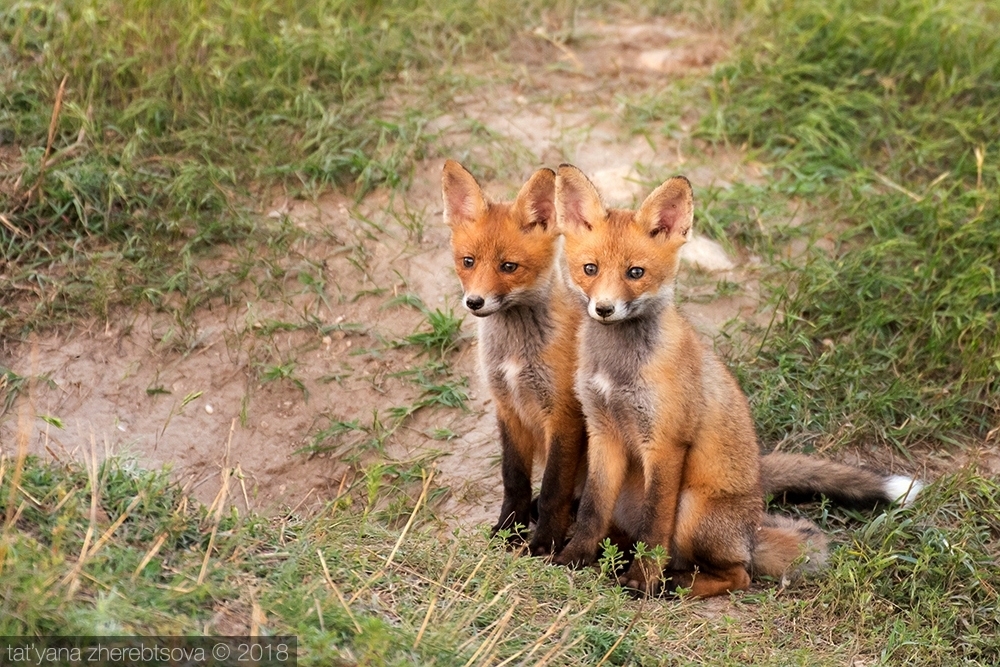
(879,117)
(137,133)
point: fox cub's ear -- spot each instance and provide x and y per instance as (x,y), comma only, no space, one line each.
(536,202)
(463,198)
(669,209)
(578,204)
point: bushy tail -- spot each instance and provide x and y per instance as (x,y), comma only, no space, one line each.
(788,548)
(797,477)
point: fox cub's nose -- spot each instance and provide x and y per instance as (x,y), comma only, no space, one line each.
(604,309)
(474,302)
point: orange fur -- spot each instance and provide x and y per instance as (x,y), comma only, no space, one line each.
(673,455)
(505,256)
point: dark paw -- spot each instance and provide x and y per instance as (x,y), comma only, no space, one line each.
(574,557)
(673,582)
(540,550)
(640,589)
(542,546)
(669,587)
(547,540)
(641,580)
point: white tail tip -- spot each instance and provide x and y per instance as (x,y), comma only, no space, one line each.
(902,489)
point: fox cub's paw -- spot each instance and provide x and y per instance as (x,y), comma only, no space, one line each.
(549,537)
(642,578)
(575,555)
(541,546)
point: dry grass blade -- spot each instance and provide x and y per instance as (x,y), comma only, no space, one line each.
(56,108)
(238,472)
(336,591)
(219,503)
(560,647)
(258,618)
(479,611)
(898,188)
(72,578)
(25,415)
(150,555)
(980,153)
(437,584)
(635,619)
(551,630)
(566,51)
(465,584)
(433,603)
(399,541)
(30,498)
(494,637)
(114,526)
(9,225)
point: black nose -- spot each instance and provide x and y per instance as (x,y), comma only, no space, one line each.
(604,311)
(474,302)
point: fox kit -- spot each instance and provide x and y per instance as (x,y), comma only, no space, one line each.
(673,458)
(506,257)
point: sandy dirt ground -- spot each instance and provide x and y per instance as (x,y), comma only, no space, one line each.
(201,393)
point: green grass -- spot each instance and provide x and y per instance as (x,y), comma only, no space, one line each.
(914,586)
(880,125)
(882,121)
(179,121)
(443,335)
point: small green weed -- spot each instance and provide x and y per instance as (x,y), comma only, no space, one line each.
(285,371)
(442,337)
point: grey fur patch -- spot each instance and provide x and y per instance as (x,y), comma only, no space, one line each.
(511,342)
(609,379)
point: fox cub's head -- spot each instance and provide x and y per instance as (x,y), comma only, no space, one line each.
(504,252)
(624,262)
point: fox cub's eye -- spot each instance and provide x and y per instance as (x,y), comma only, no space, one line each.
(468,262)
(508,267)
(635,272)
(590,269)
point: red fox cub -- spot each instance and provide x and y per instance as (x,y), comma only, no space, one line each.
(506,258)
(673,458)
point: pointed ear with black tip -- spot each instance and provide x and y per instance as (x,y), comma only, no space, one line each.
(463,198)
(669,209)
(536,202)
(578,204)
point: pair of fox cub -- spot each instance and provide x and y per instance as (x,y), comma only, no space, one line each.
(598,378)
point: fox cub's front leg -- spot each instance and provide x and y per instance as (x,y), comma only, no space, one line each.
(516,453)
(663,465)
(566,453)
(606,467)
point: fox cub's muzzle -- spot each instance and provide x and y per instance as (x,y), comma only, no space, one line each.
(481,306)
(607,311)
